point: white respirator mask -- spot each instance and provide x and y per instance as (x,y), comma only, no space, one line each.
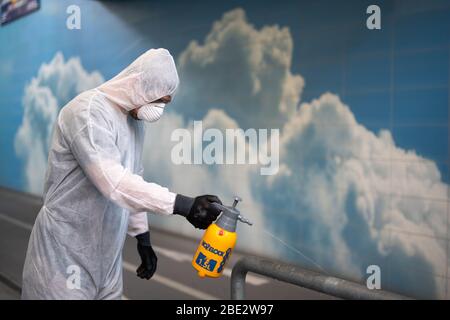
(151,112)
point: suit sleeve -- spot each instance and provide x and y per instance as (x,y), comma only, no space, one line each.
(95,150)
(138,223)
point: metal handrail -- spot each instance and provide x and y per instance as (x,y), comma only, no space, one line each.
(304,278)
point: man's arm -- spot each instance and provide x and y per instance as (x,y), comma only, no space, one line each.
(137,224)
(95,150)
(93,146)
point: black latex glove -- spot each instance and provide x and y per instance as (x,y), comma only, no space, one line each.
(148,256)
(198,211)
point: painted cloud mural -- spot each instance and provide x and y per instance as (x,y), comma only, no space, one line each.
(344,197)
(55,84)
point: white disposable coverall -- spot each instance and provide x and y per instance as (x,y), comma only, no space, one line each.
(94,192)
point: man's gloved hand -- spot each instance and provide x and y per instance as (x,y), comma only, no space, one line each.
(198,211)
(148,256)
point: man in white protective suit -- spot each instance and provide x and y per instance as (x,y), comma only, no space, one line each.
(94,191)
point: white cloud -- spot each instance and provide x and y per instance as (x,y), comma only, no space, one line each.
(56,83)
(338,197)
(353,206)
(250,70)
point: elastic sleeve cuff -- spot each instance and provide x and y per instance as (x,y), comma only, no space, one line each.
(144,238)
(182,205)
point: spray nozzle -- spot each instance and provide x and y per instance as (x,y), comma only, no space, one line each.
(245,220)
(230,215)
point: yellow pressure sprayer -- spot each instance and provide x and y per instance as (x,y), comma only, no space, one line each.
(218,242)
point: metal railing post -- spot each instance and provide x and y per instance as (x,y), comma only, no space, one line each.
(304,278)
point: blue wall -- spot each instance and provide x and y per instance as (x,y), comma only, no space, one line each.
(363,118)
